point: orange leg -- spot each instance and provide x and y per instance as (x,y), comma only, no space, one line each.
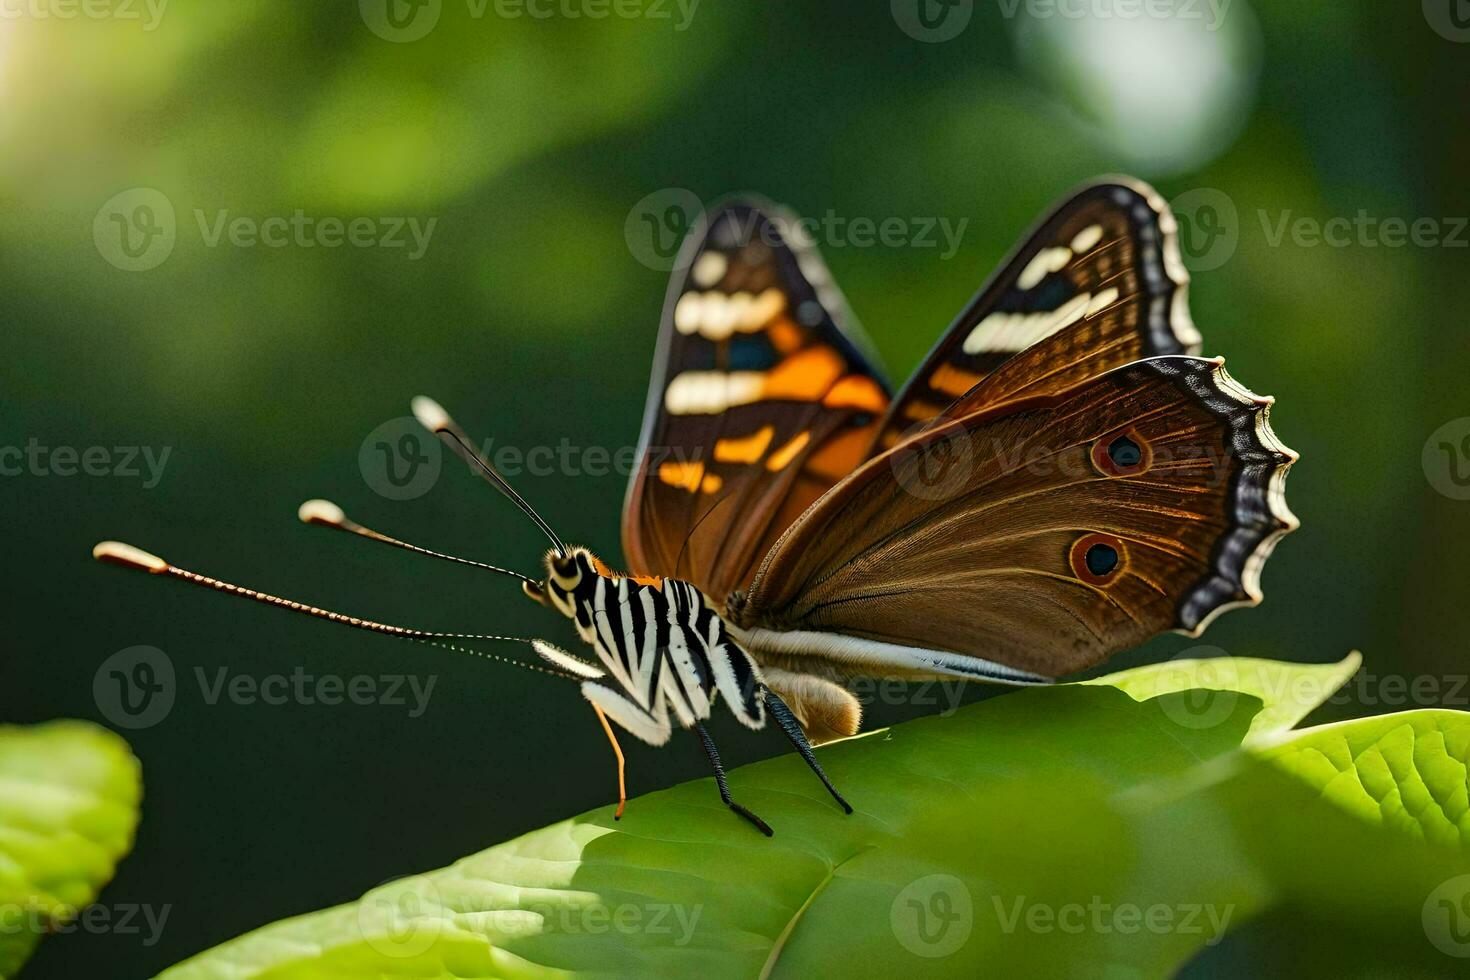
(617,751)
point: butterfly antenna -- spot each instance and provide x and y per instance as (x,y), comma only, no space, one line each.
(127,556)
(431,415)
(327,514)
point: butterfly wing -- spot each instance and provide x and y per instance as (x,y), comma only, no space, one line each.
(760,401)
(1034,540)
(1106,263)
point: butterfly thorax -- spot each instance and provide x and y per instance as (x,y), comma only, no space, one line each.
(662,643)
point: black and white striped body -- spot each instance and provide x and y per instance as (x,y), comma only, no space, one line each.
(662,644)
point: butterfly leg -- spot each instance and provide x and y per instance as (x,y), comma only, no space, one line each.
(617,751)
(714,758)
(792,728)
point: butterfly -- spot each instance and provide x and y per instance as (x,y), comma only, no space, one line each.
(1061,479)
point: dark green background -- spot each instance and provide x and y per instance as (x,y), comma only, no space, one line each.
(265,369)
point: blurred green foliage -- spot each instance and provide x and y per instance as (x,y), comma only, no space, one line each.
(529,140)
(67,816)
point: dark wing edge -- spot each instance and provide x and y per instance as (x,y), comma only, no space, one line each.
(1261,517)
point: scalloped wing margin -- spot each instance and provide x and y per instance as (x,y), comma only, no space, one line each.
(1259,513)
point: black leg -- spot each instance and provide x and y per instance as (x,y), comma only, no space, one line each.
(792,728)
(714,758)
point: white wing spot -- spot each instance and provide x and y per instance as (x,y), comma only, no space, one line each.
(1102,301)
(687,313)
(712,392)
(763,309)
(1046,261)
(709,269)
(1087,239)
(1001,331)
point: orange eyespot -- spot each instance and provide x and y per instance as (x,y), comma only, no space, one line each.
(1121,454)
(1097,558)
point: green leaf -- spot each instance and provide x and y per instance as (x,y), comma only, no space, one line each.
(1288,691)
(1075,830)
(69,796)
(977,812)
(1407,771)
